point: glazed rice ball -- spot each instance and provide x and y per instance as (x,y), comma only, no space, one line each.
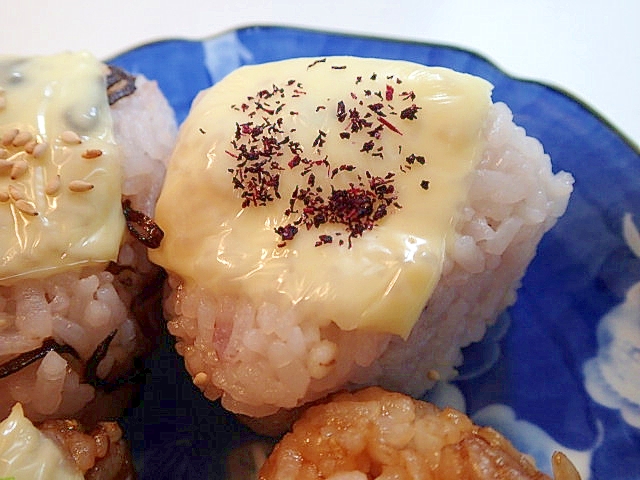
(376,434)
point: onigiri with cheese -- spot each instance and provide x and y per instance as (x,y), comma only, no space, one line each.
(83,148)
(332,223)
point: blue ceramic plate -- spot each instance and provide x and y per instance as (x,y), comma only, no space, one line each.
(561,370)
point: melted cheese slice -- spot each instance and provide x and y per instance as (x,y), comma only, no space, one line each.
(44,228)
(253,141)
(27,454)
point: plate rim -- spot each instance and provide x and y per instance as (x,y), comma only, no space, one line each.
(372,37)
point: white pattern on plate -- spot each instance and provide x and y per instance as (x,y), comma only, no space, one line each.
(612,378)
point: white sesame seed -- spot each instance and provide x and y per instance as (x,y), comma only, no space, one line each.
(5,165)
(19,168)
(53,186)
(4,153)
(70,137)
(26,207)
(4,196)
(22,138)
(30,145)
(15,193)
(80,186)
(92,153)
(39,150)
(8,136)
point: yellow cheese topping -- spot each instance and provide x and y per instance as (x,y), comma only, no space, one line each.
(326,186)
(60,175)
(28,454)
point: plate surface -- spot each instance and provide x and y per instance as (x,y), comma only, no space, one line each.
(560,370)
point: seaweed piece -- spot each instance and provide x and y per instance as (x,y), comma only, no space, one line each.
(91,368)
(27,358)
(141,226)
(120,84)
(136,375)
